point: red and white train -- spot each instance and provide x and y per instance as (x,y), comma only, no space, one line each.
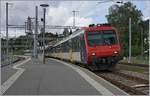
(97,47)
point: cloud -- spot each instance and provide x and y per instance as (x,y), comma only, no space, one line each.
(57,16)
(19,11)
(80,21)
(60,12)
(62,15)
(146,10)
(12,33)
(144,6)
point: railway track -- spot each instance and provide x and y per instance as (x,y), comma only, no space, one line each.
(16,60)
(131,84)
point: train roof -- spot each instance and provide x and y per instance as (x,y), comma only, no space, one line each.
(80,31)
(99,27)
(74,34)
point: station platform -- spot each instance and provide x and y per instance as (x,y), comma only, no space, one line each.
(56,77)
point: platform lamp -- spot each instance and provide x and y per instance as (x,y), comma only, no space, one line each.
(43,20)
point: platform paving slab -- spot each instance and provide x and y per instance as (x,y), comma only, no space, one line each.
(52,78)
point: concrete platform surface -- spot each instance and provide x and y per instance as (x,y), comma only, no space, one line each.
(55,78)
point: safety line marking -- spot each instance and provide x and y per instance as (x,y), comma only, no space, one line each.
(14,77)
(91,81)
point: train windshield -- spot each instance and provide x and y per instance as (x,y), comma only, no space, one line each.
(106,37)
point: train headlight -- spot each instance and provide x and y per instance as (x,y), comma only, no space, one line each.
(115,52)
(93,54)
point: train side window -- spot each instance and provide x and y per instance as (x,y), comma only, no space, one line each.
(67,46)
(72,41)
(62,47)
(78,43)
(69,43)
(74,44)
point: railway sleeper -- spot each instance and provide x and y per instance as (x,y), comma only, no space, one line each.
(128,89)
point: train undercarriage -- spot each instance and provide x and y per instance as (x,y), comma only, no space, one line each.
(103,63)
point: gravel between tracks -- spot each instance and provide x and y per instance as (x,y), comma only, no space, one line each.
(131,73)
(125,81)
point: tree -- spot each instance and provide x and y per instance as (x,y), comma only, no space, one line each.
(66,32)
(144,25)
(56,34)
(119,18)
(70,31)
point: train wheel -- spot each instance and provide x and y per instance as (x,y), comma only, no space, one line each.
(112,67)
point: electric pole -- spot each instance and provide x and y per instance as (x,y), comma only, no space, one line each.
(130,38)
(74,15)
(36,32)
(7,47)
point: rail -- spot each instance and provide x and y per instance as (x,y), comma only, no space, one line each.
(128,83)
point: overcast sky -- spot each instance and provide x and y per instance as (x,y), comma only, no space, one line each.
(60,12)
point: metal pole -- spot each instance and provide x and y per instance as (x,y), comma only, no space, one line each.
(44,36)
(142,30)
(7,47)
(26,35)
(130,38)
(12,50)
(73,18)
(25,27)
(35,33)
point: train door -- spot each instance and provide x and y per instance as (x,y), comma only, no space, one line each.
(82,49)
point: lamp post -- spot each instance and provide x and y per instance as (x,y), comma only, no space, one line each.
(7,42)
(36,32)
(44,10)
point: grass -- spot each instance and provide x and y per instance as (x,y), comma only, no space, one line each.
(19,52)
(137,60)
(132,68)
(10,59)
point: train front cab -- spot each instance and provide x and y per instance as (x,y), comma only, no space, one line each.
(103,49)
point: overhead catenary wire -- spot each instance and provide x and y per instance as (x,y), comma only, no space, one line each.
(63,0)
(96,5)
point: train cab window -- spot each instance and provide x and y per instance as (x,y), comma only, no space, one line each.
(105,37)
(109,37)
(94,38)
